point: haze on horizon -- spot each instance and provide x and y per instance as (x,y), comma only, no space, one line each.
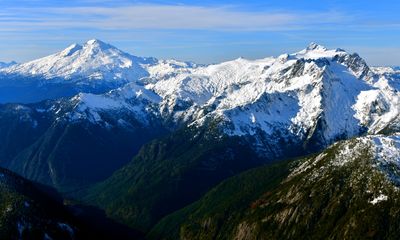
(203,32)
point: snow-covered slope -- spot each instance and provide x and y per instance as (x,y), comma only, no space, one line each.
(132,100)
(313,95)
(94,67)
(94,60)
(392,74)
(383,151)
(385,70)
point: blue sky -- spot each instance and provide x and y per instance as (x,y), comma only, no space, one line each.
(202,31)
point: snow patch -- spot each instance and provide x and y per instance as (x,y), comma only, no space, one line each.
(93,101)
(378,199)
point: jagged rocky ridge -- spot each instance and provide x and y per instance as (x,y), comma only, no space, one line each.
(310,98)
(293,97)
(348,191)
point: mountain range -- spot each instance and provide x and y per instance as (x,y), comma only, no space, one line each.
(7,64)
(143,139)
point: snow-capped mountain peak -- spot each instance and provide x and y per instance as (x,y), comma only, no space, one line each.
(93,67)
(95,46)
(315,51)
(95,41)
(314,46)
(92,61)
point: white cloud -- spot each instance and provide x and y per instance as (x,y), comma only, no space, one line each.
(162,17)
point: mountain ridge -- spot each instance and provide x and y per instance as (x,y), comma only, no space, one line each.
(315,77)
(163,131)
(94,67)
(345,191)
(7,64)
